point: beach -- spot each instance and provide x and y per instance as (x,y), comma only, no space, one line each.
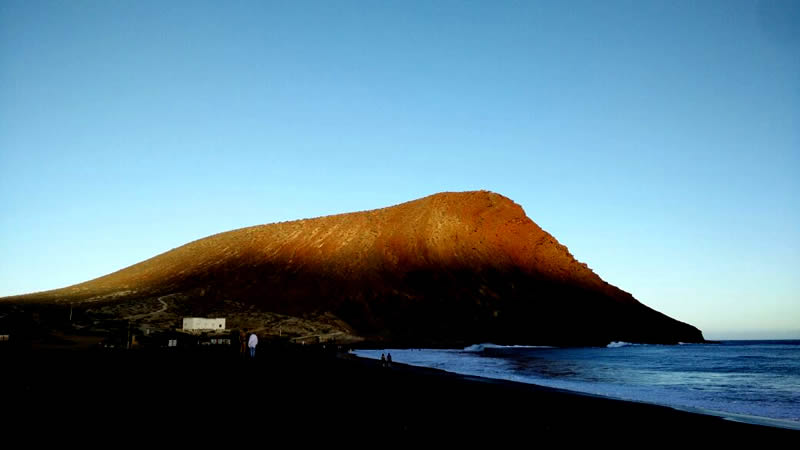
(294,389)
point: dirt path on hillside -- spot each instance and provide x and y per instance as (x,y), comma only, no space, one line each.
(152,313)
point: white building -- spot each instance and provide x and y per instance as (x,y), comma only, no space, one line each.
(203,324)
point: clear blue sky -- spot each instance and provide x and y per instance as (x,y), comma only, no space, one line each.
(659,141)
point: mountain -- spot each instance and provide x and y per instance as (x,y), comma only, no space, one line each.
(448,269)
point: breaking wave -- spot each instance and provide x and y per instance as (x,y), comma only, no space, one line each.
(477,348)
(618,344)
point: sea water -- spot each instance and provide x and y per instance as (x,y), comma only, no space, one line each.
(754,381)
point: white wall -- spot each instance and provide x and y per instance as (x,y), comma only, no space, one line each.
(202,323)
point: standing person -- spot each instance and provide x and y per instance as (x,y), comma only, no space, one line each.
(383,360)
(388,360)
(252,343)
(242,343)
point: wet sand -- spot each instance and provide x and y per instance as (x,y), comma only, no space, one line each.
(306,391)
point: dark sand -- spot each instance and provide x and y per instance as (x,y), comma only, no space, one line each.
(314,394)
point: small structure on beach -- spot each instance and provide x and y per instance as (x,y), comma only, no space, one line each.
(203,324)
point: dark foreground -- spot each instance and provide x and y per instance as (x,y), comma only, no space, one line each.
(311,393)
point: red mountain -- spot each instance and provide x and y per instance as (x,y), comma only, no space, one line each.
(448,269)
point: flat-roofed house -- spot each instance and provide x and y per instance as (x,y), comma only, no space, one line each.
(203,324)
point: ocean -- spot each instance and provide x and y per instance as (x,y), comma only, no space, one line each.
(750,381)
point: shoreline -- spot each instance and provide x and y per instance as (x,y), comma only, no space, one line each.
(757,421)
(291,388)
(728,416)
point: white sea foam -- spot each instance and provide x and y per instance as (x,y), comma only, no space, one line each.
(477,348)
(618,344)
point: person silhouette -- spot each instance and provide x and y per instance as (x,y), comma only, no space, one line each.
(252,343)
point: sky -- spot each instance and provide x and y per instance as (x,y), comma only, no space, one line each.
(659,141)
